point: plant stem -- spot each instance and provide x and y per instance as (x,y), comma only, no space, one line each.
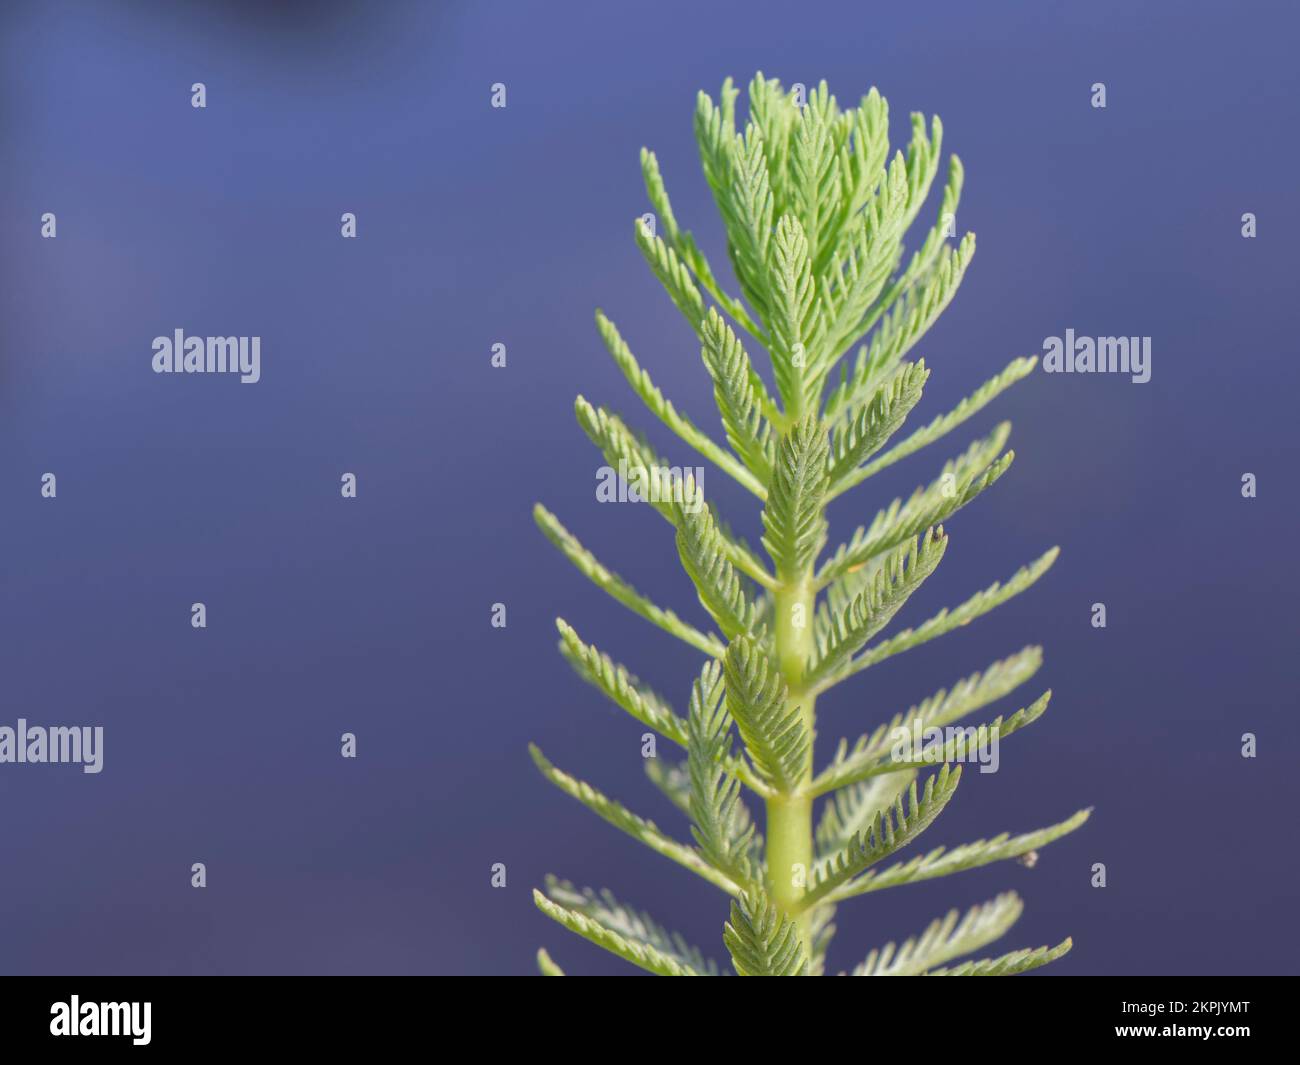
(789,814)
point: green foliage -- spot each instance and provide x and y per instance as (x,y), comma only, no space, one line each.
(757,700)
(600,929)
(1018,961)
(864,434)
(620,686)
(941,708)
(888,831)
(794,519)
(637,827)
(741,396)
(632,926)
(815,213)
(944,939)
(942,862)
(853,808)
(721,823)
(619,589)
(871,610)
(762,940)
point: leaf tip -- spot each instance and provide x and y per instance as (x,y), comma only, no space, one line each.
(539,759)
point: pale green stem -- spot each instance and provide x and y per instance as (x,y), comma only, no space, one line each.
(789,814)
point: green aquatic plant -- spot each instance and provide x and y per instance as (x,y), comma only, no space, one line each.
(815,212)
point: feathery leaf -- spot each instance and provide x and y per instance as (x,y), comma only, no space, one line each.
(720,823)
(675,494)
(945,938)
(663,409)
(945,862)
(671,778)
(672,273)
(683,244)
(946,620)
(814,184)
(960,481)
(741,397)
(793,520)
(1018,961)
(855,808)
(705,559)
(912,315)
(619,686)
(941,708)
(639,954)
(853,282)
(876,421)
(762,941)
(794,319)
(657,193)
(632,925)
(863,151)
(873,609)
(1016,370)
(888,832)
(637,827)
(611,583)
(959,744)
(756,698)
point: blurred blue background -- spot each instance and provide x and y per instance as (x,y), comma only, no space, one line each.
(479,226)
